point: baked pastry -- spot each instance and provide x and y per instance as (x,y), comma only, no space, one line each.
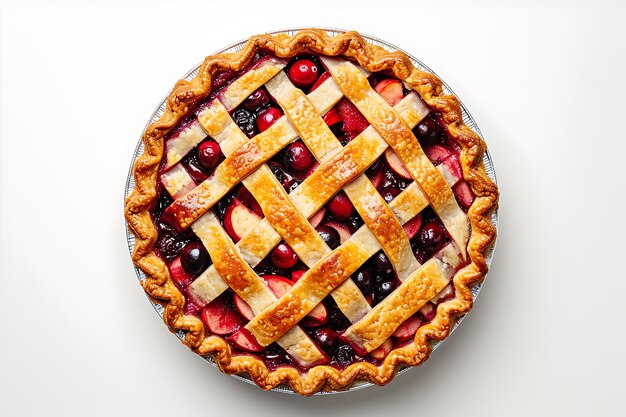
(311,211)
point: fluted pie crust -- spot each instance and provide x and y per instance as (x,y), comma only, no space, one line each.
(158,284)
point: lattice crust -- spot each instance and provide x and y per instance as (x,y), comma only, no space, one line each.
(286,215)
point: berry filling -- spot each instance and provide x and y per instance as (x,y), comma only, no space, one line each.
(335,222)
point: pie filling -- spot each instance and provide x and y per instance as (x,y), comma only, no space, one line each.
(195,152)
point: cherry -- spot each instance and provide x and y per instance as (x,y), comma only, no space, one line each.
(283,256)
(169,245)
(428,131)
(326,338)
(431,236)
(257,99)
(336,318)
(267,118)
(208,154)
(388,193)
(194,258)
(382,290)
(382,262)
(363,280)
(330,236)
(340,206)
(303,73)
(298,157)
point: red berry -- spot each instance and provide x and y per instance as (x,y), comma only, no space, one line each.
(283,256)
(267,118)
(340,207)
(208,154)
(303,73)
(298,157)
(257,99)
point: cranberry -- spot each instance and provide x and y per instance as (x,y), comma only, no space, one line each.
(363,280)
(345,355)
(257,99)
(208,154)
(303,73)
(246,121)
(431,236)
(298,157)
(195,258)
(267,118)
(382,290)
(325,338)
(330,236)
(428,131)
(389,193)
(340,206)
(382,262)
(283,256)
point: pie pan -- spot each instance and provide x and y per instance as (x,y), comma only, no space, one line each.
(467,119)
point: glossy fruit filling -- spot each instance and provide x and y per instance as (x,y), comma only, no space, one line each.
(238,212)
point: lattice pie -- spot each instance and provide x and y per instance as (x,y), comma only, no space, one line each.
(311,210)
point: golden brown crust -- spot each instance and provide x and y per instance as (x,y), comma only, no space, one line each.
(187,94)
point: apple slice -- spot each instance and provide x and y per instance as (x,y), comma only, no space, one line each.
(181,277)
(332,117)
(344,232)
(239,219)
(413,226)
(444,295)
(383,350)
(244,340)
(249,201)
(391,90)
(394,162)
(428,311)
(296,275)
(463,194)
(317,218)
(407,329)
(437,154)
(220,318)
(280,286)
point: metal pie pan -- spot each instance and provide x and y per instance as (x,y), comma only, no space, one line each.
(467,119)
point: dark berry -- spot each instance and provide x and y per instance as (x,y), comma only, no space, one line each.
(169,245)
(195,170)
(325,338)
(267,118)
(389,193)
(345,355)
(303,73)
(336,318)
(194,258)
(292,185)
(382,262)
(354,223)
(382,290)
(283,256)
(208,154)
(330,236)
(428,131)
(279,172)
(298,157)
(246,121)
(257,99)
(363,280)
(340,206)
(431,236)
(275,358)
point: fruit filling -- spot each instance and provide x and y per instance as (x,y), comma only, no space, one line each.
(335,222)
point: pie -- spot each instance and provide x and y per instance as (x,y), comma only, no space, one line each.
(311,211)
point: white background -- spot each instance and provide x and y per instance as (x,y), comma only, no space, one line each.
(544,80)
